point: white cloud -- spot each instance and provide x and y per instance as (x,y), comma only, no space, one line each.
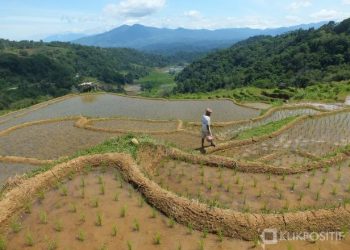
(346,1)
(299,4)
(193,14)
(134,8)
(325,14)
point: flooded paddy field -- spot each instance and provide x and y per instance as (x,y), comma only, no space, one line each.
(49,141)
(248,192)
(11,169)
(135,125)
(108,105)
(316,136)
(233,130)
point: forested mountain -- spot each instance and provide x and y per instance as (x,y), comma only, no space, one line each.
(298,58)
(172,41)
(32,70)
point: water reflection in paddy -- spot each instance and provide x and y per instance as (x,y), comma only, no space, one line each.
(107,105)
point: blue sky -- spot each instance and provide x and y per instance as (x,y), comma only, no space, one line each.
(35,19)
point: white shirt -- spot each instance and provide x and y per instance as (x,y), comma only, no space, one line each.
(205,122)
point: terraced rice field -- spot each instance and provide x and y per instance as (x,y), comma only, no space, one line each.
(161,192)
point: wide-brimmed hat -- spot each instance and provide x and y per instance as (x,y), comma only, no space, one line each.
(208,110)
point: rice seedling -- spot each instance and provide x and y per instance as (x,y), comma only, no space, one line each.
(205,233)
(82,193)
(128,243)
(313,172)
(98,220)
(157,239)
(15,225)
(43,217)
(323,180)
(286,205)
(58,226)
(209,187)
(141,202)
(228,189)
(255,182)
(317,196)
(41,196)
(100,179)
(81,236)
(102,188)
(334,191)
(256,242)
(82,218)
(136,226)
(220,235)
(283,177)
(280,195)
(189,228)
(269,177)
(63,190)
(104,246)
(171,223)
(154,213)
(292,187)
(123,212)
(241,189)
(308,184)
(179,247)
(326,170)
(301,196)
(348,189)
(29,240)
(52,245)
(114,231)
(201,244)
(95,203)
(116,196)
(3,244)
(72,208)
(82,182)
(237,180)
(259,194)
(71,175)
(338,176)
(28,207)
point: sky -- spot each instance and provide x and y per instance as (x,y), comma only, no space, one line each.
(37,19)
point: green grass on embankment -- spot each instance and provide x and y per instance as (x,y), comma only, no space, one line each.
(265,129)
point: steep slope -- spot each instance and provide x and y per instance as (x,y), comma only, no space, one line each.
(297,59)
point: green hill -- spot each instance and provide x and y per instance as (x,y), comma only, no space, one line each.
(299,59)
(33,71)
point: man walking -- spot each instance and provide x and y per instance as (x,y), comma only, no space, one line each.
(206,128)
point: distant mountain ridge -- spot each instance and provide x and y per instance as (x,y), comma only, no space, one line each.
(174,40)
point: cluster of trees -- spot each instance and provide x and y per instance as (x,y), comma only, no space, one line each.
(299,58)
(32,71)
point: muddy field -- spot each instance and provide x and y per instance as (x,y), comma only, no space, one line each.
(246,192)
(99,210)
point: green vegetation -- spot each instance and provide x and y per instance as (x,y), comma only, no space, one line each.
(32,72)
(296,59)
(325,92)
(265,129)
(159,83)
